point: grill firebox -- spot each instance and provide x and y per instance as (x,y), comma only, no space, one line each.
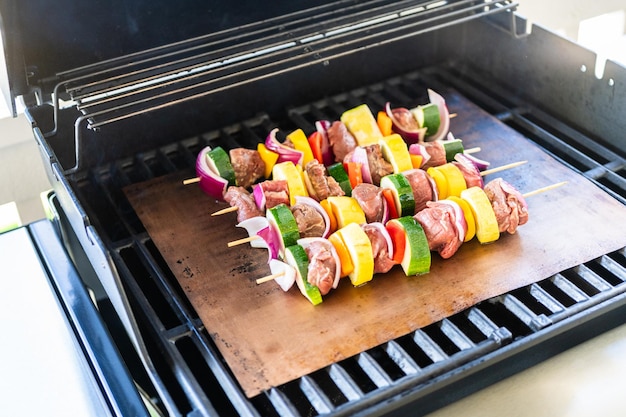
(104,126)
(411,367)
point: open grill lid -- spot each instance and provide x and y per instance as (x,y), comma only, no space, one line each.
(46,44)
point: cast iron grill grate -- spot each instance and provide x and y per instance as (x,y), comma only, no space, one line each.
(189,365)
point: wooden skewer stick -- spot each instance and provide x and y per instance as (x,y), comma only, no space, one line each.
(502,168)
(472,150)
(270,277)
(191,181)
(544,189)
(243,240)
(225,210)
(452,115)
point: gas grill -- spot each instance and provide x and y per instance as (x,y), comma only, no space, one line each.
(118,95)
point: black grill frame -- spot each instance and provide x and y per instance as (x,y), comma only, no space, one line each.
(423,370)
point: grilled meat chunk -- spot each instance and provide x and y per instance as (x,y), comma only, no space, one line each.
(246,206)
(310,222)
(508,205)
(323,185)
(437,154)
(438,222)
(378,166)
(248,166)
(380,251)
(370,198)
(322,267)
(341,140)
(422,188)
(276,192)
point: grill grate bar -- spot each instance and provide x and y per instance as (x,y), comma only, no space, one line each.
(315,395)
(344,382)
(613,266)
(547,300)
(592,278)
(569,288)
(373,370)
(457,337)
(430,348)
(524,313)
(402,358)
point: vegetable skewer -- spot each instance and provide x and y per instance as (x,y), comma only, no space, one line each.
(410,265)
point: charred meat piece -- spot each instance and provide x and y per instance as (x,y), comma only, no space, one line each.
(380,251)
(322,267)
(422,188)
(246,206)
(341,140)
(276,192)
(370,198)
(323,185)
(310,222)
(248,166)
(438,222)
(377,164)
(508,205)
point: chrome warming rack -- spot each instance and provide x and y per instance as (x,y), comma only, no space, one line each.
(124,87)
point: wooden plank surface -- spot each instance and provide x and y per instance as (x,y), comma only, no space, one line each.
(269,337)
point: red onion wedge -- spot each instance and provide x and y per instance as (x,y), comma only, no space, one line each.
(285,153)
(419,149)
(466,161)
(479,163)
(405,124)
(211,183)
(444,116)
(259,196)
(317,207)
(360,155)
(259,226)
(287,276)
(272,241)
(305,242)
(252,226)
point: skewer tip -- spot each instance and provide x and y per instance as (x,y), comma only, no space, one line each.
(191,181)
(544,189)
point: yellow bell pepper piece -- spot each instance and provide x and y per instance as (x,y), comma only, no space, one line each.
(469,217)
(295,183)
(268,157)
(417,160)
(346,210)
(361,123)
(396,152)
(342,251)
(384,122)
(360,250)
(487,230)
(440,181)
(454,178)
(301,143)
(329,210)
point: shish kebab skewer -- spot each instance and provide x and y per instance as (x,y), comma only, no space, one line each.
(482,174)
(332,141)
(413,264)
